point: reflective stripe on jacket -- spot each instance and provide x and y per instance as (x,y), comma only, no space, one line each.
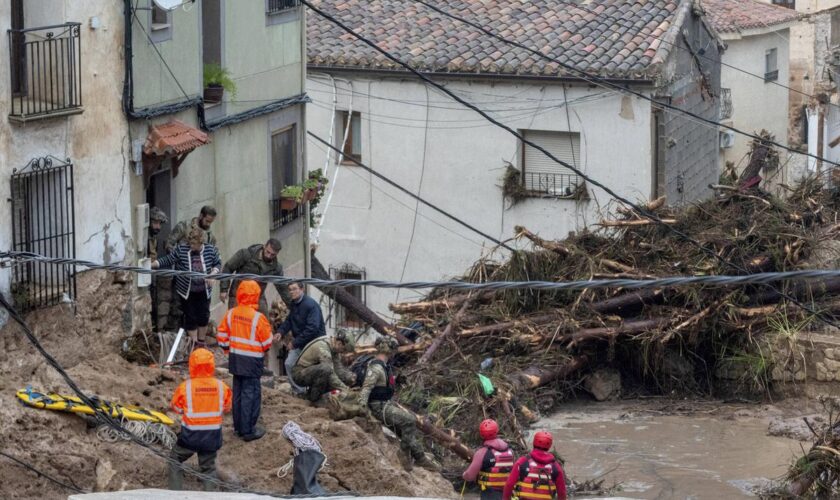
(201,400)
(537,481)
(246,335)
(205,404)
(495,468)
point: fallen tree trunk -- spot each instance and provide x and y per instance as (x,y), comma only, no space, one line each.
(628,302)
(433,305)
(801,291)
(445,437)
(635,222)
(607,332)
(534,376)
(508,325)
(348,301)
(453,323)
(650,206)
(521,232)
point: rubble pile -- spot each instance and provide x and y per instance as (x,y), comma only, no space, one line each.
(539,347)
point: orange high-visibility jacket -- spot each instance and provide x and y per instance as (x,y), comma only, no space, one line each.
(201,400)
(245,332)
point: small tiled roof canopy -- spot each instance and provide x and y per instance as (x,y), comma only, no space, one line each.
(614,38)
(174,139)
(733,16)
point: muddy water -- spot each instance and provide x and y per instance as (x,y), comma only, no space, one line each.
(661,456)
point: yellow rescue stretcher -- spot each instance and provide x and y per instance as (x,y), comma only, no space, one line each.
(74,404)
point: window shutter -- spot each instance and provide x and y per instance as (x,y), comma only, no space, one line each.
(544,175)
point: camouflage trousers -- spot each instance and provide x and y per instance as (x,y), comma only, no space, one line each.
(402,423)
(316,378)
(167,305)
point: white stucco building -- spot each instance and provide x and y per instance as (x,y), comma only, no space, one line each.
(754,74)
(451,157)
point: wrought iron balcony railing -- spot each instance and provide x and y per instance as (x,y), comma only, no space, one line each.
(281,216)
(275,6)
(561,185)
(45,68)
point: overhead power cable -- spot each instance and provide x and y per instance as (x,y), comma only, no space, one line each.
(667,282)
(105,418)
(639,209)
(603,82)
(43,474)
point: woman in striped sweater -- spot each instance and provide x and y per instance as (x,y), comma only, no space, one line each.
(195,293)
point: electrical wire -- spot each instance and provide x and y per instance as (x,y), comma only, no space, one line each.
(639,209)
(43,474)
(818,275)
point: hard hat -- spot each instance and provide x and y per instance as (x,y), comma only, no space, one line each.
(157,214)
(543,440)
(488,429)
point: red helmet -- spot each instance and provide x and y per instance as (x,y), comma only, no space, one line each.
(488,429)
(543,440)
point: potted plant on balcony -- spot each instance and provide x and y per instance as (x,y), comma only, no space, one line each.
(216,80)
(291,196)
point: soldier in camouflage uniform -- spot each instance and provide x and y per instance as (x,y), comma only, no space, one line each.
(377,391)
(161,287)
(169,307)
(319,366)
(255,259)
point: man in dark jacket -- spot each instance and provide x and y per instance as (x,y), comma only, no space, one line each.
(305,322)
(255,259)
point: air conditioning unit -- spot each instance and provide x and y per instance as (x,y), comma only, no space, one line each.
(727,139)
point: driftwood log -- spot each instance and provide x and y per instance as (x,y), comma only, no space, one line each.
(445,437)
(535,376)
(447,332)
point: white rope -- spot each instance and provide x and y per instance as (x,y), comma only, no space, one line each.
(148,432)
(301,441)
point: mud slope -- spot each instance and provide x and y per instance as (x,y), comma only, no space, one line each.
(360,456)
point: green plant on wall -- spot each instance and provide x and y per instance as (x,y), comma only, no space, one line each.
(292,191)
(217,76)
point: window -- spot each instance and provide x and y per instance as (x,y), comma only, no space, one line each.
(352,147)
(835,28)
(543,176)
(161,22)
(284,172)
(344,317)
(790,4)
(771,68)
(277,6)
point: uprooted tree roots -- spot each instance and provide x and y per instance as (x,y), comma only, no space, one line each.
(538,346)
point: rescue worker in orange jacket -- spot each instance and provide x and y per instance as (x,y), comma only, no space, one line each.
(245,334)
(537,475)
(492,463)
(201,400)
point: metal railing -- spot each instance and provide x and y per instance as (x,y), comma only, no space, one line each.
(725,104)
(280,216)
(45,68)
(562,185)
(43,222)
(275,6)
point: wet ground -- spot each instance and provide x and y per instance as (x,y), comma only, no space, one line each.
(713,452)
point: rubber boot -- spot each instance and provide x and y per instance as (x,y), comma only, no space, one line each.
(176,478)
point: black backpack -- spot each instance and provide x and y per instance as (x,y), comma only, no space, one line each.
(359,368)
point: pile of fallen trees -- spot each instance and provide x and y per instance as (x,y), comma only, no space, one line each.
(537,346)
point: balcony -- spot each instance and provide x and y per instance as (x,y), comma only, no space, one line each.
(550,184)
(277,6)
(45,68)
(282,216)
(725,104)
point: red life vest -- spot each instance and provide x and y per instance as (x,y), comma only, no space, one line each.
(537,481)
(495,468)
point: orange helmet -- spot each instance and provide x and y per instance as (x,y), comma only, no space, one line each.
(488,429)
(543,440)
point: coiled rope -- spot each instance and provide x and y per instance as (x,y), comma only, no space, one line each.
(301,441)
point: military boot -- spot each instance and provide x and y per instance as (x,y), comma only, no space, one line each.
(176,478)
(428,462)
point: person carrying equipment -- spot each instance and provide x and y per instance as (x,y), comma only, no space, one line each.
(537,475)
(492,463)
(377,391)
(245,334)
(200,400)
(319,366)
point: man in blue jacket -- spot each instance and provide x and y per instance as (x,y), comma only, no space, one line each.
(305,322)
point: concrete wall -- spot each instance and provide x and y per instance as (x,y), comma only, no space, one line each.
(96,141)
(153,84)
(453,158)
(751,95)
(690,147)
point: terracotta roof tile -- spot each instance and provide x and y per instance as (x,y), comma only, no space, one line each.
(732,16)
(173,138)
(615,38)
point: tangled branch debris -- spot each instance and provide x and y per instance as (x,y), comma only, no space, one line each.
(537,347)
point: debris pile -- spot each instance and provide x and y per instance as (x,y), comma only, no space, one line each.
(537,347)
